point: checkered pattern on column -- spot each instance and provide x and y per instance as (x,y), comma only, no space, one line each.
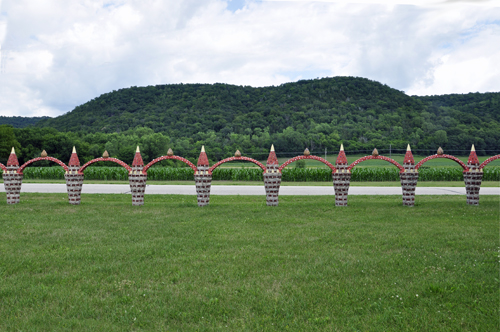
(12,182)
(272,183)
(341,179)
(473,178)
(74,183)
(74,179)
(272,179)
(137,181)
(203,180)
(408,178)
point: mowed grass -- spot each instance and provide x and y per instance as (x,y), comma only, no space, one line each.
(238,265)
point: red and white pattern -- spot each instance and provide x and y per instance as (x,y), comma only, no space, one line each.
(118,161)
(57,161)
(289,161)
(210,170)
(154,161)
(489,160)
(447,156)
(392,161)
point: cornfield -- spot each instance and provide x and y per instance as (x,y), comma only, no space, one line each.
(251,174)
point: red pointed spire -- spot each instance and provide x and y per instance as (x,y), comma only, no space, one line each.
(473,157)
(138,158)
(74,161)
(202,159)
(272,160)
(409,157)
(12,158)
(341,158)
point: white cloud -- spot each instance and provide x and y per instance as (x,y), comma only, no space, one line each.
(57,55)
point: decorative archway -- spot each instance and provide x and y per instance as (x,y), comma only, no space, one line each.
(489,160)
(57,161)
(236,158)
(324,161)
(154,161)
(3,167)
(392,161)
(119,162)
(447,156)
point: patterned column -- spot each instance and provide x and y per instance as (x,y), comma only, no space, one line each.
(272,179)
(12,180)
(74,180)
(409,178)
(341,178)
(473,178)
(203,179)
(137,179)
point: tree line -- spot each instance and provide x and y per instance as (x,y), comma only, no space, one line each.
(317,114)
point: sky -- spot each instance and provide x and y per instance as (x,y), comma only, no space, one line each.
(56,55)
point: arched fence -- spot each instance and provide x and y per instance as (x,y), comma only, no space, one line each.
(272,171)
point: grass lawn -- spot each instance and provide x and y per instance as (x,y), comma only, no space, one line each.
(238,265)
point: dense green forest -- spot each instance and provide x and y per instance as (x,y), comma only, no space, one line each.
(318,114)
(20,121)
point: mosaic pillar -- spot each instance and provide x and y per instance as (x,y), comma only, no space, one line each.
(272,183)
(341,183)
(137,181)
(473,178)
(74,183)
(272,178)
(341,178)
(203,180)
(12,182)
(408,178)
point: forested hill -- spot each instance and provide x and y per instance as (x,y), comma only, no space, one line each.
(184,109)
(20,121)
(318,114)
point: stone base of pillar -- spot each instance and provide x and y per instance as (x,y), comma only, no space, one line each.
(472,186)
(408,185)
(137,187)
(341,183)
(203,186)
(272,183)
(74,183)
(12,182)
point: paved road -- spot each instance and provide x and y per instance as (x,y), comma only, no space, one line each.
(244,190)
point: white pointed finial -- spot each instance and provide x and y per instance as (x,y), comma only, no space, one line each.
(341,146)
(137,150)
(13,151)
(473,149)
(408,148)
(74,150)
(203,148)
(272,147)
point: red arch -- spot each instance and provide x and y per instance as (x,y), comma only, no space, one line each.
(2,166)
(57,161)
(236,158)
(392,161)
(154,161)
(489,160)
(447,156)
(119,162)
(289,161)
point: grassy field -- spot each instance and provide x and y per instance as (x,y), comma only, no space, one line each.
(238,265)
